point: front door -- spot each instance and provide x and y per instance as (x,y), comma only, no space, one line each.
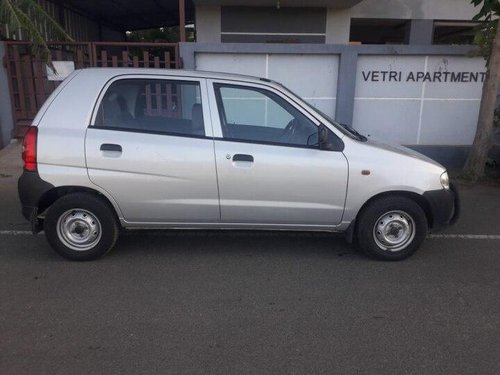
(270,168)
(151,150)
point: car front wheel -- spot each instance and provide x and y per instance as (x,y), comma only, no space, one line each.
(391,228)
(81,226)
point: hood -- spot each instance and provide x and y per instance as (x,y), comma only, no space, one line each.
(405,151)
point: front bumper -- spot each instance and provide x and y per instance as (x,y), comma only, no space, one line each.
(444,206)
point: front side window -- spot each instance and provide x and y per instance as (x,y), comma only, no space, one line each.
(253,114)
(152,105)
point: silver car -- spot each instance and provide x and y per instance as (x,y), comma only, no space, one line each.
(144,148)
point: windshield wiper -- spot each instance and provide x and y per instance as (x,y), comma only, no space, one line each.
(351,130)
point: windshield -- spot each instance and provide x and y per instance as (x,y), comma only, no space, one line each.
(343,128)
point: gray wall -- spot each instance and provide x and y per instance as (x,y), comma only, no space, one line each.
(429,101)
(6,123)
(272,25)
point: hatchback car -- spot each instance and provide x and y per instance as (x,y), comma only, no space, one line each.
(116,149)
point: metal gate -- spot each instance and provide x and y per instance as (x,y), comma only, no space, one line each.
(28,83)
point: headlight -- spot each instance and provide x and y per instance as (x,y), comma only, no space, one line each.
(445,180)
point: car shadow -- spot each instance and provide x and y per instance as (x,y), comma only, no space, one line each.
(234,243)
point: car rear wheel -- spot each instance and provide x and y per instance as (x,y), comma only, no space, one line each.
(81,226)
(391,228)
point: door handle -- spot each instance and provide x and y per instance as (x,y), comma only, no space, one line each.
(243,157)
(111,147)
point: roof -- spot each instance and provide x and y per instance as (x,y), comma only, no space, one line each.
(124,15)
(108,73)
(127,15)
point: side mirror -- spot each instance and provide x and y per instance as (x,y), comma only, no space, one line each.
(328,140)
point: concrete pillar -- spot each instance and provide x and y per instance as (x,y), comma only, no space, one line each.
(346,86)
(421,32)
(186,55)
(6,122)
(208,24)
(338,26)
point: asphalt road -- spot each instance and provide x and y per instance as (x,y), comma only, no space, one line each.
(241,303)
(251,303)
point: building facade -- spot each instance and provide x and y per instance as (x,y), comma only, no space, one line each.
(400,71)
(335,21)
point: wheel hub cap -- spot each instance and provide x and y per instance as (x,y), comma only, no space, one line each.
(79,229)
(394,230)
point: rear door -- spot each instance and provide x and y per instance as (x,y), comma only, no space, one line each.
(270,168)
(150,146)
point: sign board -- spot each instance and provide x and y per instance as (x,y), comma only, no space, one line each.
(418,100)
(61,70)
(403,99)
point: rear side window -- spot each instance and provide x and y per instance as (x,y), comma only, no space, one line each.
(152,105)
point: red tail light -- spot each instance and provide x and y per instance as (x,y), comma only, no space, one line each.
(29,149)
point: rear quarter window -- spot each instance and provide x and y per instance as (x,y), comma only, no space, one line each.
(152,105)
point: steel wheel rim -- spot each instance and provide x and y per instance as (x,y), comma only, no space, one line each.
(79,229)
(394,230)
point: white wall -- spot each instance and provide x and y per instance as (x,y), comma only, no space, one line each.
(313,77)
(418,112)
(419,105)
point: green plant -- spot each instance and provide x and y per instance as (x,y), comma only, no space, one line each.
(485,31)
(31,18)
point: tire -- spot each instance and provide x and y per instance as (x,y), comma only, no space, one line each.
(391,228)
(81,226)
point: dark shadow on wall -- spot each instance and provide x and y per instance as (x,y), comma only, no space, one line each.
(2,144)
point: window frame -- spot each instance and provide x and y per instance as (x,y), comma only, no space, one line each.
(216,84)
(202,82)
